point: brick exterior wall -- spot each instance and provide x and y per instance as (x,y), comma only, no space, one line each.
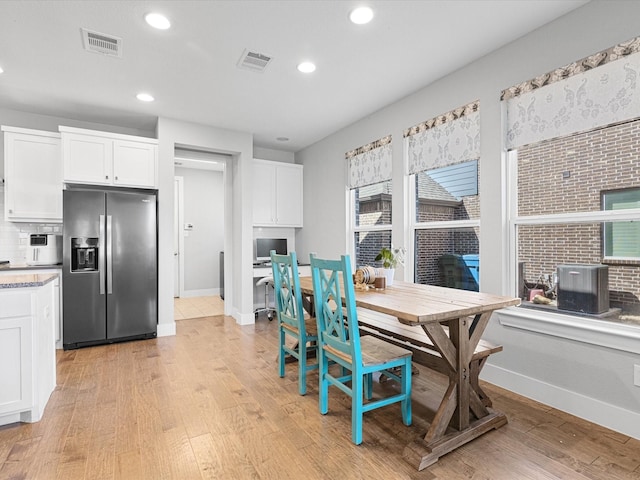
(569,175)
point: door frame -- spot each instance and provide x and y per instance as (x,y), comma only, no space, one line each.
(178,237)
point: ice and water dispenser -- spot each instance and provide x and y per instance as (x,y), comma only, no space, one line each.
(84,254)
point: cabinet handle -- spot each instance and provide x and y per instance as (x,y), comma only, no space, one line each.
(116,177)
(11,210)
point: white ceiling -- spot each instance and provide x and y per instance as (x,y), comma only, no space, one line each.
(191,68)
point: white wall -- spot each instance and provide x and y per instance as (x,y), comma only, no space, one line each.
(273,155)
(204,209)
(589,380)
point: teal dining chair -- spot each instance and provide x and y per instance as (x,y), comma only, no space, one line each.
(291,318)
(359,357)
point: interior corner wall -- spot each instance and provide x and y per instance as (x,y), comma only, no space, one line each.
(238,214)
(591,28)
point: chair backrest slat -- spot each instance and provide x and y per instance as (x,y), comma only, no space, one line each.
(286,282)
(330,278)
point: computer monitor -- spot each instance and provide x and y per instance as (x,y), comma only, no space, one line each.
(265,245)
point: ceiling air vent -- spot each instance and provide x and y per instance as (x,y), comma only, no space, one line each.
(102,43)
(254,61)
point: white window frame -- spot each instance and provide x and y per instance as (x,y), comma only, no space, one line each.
(353,229)
(516,220)
(564,325)
(414,226)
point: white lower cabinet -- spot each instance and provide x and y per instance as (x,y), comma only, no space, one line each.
(27,352)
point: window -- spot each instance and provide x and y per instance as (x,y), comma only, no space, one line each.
(446,252)
(372,217)
(576,200)
(370,195)
(573,136)
(621,240)
(443,163)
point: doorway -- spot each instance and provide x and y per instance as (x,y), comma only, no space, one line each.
(199,195)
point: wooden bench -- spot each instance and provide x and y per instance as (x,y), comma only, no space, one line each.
(388,328)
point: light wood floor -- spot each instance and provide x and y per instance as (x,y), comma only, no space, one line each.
(208,403)
(196,307)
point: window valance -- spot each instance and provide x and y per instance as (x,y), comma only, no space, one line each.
(599,90)
(369,164)
(447,139)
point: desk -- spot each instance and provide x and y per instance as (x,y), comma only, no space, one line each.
(262,271)
(461,415)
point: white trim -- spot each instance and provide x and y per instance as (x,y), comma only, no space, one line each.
(178,231)
(629,214)
(204,292)
(243,319)
(617,336)
(449,224)
(167,329)
(372,228)
(610,416)
(350,246)
(512,203)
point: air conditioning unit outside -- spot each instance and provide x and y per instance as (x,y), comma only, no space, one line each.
(583,288)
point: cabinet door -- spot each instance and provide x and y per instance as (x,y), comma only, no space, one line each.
(264,193)
(87,159)
(134,164)
(289,195)
(16,332)
(33,171)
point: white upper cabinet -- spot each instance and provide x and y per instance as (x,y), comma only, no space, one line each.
(277,194)
(101,158)
(33,175)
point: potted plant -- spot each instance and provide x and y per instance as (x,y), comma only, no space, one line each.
(390,258)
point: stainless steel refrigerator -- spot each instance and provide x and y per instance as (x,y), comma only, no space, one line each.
(110,266)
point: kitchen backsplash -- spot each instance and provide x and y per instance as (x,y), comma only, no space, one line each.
(14,237)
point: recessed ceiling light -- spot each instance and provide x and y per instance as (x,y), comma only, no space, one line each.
(282,139)
(1,70)
(361,15)
(157,20)
(307,67)
(145,97)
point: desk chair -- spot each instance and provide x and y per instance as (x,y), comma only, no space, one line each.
(291,318)
(339,340)
(267,282)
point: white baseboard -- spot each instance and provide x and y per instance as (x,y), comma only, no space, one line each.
(591,409)
(244,318)
(167,329)
(205,292)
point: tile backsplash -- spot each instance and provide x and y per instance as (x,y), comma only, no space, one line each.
(14,236)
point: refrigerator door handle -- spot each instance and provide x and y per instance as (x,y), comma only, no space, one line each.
(109,257)
(101,252)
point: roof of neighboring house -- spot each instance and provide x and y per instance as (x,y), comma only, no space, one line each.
(428,189)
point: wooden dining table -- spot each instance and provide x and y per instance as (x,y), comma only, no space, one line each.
(454,320)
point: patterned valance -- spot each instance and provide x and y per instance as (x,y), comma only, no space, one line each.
(447,139)
(599,90)
(369,164)
(588,63)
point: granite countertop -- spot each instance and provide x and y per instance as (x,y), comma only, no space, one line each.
(26,280)
(16,266)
